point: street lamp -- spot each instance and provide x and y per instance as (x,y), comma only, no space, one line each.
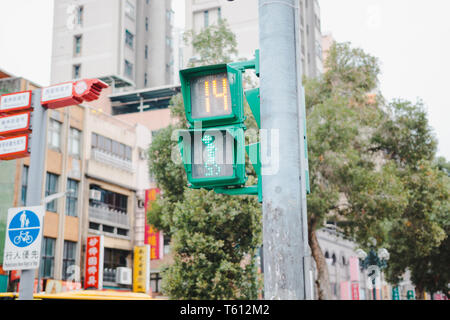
(373,261)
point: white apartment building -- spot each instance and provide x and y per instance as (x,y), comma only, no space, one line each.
(126,43)
(242,17)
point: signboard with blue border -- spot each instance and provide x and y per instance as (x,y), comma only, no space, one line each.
(23,238)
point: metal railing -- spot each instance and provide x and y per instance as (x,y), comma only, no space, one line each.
(103,213)
(112,160)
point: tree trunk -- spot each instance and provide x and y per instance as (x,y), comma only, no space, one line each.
(323,277)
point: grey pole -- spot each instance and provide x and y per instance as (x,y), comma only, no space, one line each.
(35,178)
(283,225)
(303,155)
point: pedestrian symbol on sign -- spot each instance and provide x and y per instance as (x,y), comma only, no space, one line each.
(24,228)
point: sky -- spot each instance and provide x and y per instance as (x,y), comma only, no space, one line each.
(410,38)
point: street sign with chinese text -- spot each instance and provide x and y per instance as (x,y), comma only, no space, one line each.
(15,124)
(93,277)
(14,147)
(23,238)
(71,93)
(15,102)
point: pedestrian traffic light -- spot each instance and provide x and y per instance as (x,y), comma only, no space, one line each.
(213,149)
(213,157)
(213,95)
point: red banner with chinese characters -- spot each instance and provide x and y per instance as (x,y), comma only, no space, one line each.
(93,277)
(152,236)
(355,291)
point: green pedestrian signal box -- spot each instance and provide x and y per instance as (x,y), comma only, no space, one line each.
(213,95)
(213,148)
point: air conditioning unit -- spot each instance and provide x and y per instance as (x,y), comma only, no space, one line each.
(123,275)
(95,194)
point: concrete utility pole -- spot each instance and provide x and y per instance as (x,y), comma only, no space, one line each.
(284,210)
(35,179)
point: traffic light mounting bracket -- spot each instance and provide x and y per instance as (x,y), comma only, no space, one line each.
(253,99)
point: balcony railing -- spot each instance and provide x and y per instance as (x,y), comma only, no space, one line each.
(105,214)
(110,159)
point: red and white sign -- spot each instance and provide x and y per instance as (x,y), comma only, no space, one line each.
(13,102)
(71,93)
(14,147)
(93,277)
(355,291)
(15,124)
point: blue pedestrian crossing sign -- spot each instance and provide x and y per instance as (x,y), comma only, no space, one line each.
(23,238)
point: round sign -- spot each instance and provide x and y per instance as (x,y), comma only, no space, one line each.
(24,228)
(80,87)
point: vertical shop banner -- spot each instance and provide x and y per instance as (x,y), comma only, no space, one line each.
(152,236)
(395,293)
(345,290)
(355,291)
(93,277)
(354,269)
(141,274)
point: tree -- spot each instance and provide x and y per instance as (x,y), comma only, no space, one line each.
(214,237)
(418,239)
(351,184)
(213,45)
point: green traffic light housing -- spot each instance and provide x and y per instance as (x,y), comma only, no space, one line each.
(213,157)
(213,95)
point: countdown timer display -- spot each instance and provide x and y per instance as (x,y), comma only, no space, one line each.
(213,157)
(210,96)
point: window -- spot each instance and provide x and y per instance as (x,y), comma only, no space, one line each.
(114,258)
(94,226)
(319,50)
(79,13)
(51,187)
(74,142)
(219,13)
(77,45)
(146,23)
(129,39)
(24,185)
(122,232)
(113,147)
(108,229)
(206,18)
(47,258)
(128,69)
(76,72)
(129,10)
(145,79)
(72,198)
(54,134)
(69,255)
(169,42)
(112,200)
(146,52)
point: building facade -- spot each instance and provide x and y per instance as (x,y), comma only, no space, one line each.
(242,17)
(126,43)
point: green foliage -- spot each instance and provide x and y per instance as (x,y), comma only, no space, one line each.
(406,136)
(212,260)
(213,45)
